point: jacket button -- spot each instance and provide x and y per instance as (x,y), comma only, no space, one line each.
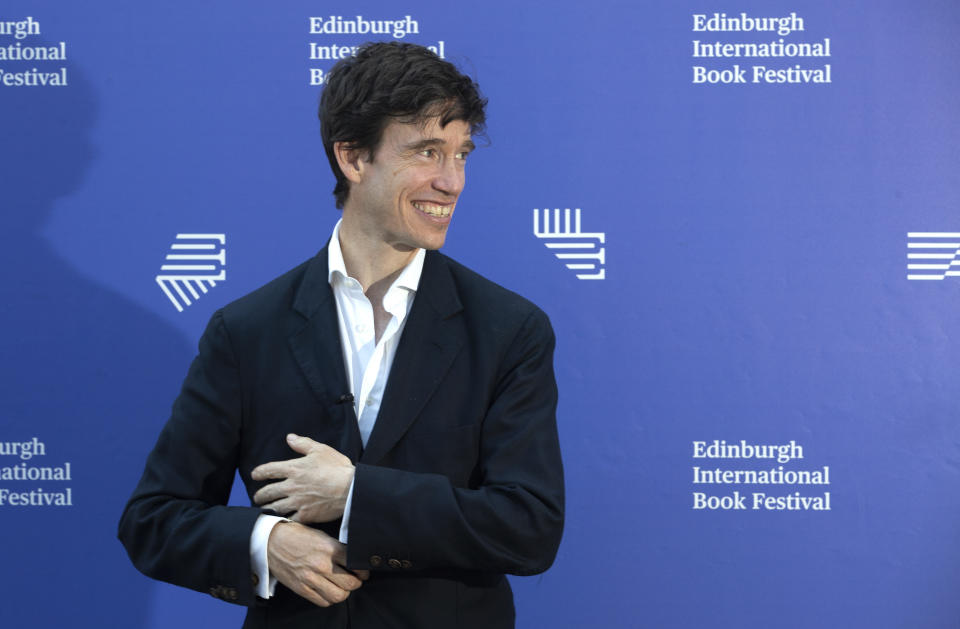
(394,563)
(406,564)
(376,560)
(215,591)
(231,594)
(255,579)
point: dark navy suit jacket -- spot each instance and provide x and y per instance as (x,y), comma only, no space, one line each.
(460,481)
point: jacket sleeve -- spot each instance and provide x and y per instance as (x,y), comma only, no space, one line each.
(511,520)
(176,526)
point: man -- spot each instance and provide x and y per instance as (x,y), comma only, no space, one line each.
(379,394)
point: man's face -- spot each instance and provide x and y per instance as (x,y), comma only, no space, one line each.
(407,192)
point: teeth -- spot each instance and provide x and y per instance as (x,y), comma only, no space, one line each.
(433,210)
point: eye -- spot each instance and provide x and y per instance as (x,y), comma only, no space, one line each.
(462,155)
(428,152)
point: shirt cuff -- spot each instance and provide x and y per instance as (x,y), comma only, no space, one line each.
(265,583)
(344,524)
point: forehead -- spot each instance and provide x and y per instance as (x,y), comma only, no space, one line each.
(456,132)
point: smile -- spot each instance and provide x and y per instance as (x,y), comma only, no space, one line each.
(441,211)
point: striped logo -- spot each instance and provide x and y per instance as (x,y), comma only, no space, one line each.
(195,263)
(581,252)
(933,255)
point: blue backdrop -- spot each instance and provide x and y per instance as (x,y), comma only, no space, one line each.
(755,284)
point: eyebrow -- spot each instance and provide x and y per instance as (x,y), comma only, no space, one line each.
(431,142)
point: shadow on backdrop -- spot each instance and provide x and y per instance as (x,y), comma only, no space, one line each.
(85,370)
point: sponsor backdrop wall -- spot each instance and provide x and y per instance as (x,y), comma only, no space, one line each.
(747,241)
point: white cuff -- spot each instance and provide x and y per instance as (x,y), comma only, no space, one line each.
(344,524)
(266,583)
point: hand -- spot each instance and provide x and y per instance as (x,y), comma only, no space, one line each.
(312,564)
(314,487)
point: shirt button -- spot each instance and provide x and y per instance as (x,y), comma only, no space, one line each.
(371,401)
(360,328)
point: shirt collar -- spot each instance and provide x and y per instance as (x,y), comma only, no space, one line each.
(409,278)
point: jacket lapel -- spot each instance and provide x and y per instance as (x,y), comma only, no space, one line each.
(431,340)
(317,349)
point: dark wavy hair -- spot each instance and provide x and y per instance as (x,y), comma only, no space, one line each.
(388,82)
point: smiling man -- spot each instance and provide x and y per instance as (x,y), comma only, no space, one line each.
(391,413)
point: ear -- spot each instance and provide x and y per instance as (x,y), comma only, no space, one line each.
(350,161)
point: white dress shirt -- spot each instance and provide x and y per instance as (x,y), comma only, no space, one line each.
(367,362)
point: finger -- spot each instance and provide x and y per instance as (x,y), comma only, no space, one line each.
(339,558)
(271,493)
(339,553)
(295,517)
(329,590)
(304,445)
(340,570)
(344,579)
(314,595)
(282,507)
(272,470)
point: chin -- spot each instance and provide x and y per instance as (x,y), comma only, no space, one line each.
(433,245)
(433,241)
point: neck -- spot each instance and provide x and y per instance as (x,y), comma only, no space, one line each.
(368,259)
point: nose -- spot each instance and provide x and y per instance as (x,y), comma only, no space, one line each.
(449,178)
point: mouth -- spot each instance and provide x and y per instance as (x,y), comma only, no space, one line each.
(433,209)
